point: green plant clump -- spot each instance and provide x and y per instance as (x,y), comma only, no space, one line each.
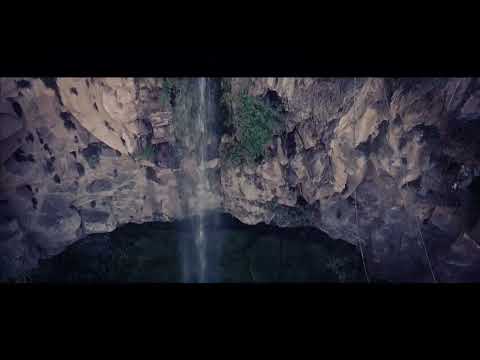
(148,153)
(169,90)
(254,124)
(168,85)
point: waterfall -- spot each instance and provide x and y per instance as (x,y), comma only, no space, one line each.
(196,265)
(199,249)
(202,186)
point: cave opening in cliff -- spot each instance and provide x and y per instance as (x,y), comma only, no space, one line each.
(154,252)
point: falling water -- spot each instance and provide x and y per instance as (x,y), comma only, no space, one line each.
(194,253)
(202,186)
(199,254)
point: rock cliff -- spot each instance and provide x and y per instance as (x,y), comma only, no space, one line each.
(388,164)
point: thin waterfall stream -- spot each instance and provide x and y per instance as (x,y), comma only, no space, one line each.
(196,254)
(203,185)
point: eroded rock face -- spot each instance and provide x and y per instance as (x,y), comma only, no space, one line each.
(370,161)
(69,165)
(375,161)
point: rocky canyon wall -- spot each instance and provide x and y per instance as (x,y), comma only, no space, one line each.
(392,164)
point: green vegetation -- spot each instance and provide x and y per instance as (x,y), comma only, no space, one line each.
(226,101)
(167,85)
(148,153)
(93,161)
(169,91)
(254,124)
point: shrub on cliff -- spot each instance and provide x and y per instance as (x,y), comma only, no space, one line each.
(254,124)
(147,153)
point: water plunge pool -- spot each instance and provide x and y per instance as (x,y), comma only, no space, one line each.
(165,252)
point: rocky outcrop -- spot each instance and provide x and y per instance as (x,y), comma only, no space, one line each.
(385,163)
(391,164)
(71,164)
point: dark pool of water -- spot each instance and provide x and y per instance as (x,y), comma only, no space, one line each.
(153,252)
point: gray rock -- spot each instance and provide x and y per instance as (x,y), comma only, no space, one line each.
(99,185)
(354,157)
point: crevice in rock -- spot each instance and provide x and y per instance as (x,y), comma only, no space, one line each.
(92,154)
(370,145)
(17,108)
(29,137)
(107,124)
(291,146)
(24,191)
(19,156)
(299,136)
(67,120)
(49,166)
(414,184)
(80,169)
(428,133)
(23,84)
(40,139)
(51,82)
(272,99)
